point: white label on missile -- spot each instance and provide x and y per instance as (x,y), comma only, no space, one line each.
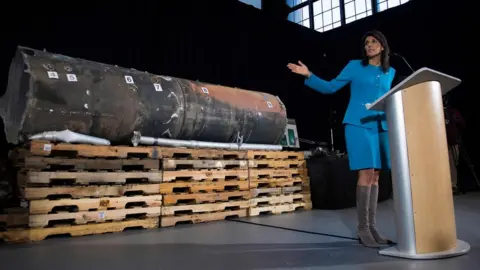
(158,87)
(129,79)
(52,75)
(72,78)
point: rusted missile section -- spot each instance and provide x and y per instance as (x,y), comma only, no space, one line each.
(51,92)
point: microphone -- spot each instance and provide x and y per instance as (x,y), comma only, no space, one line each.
(404,60)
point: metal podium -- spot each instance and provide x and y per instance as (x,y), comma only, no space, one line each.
(423,199)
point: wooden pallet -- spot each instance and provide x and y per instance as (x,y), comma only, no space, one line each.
(203,208)
(196,187)
(200,218)
(14,220)
(294,189)
(271,200)
(182,164)
(274,173)
(45,148)
(90,191)
(275,182)
(197,198)
(205,175)
(39,234)
(265,191)
(279,199)
(76,164)
(278,209)
(79,218)
(50,178)
(299,197)
(278,155)
(188,153)
(93,204)
(276,164)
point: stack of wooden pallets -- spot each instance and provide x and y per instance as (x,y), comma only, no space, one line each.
(78,189)
(84,189)
(278,182)
(201,185)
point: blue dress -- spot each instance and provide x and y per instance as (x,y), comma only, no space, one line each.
(365,131)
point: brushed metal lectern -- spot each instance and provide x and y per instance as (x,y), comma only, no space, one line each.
(423,199)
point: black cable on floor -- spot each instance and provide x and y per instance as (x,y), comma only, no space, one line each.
(295,230)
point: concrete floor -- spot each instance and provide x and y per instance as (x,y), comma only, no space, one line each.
(304,240)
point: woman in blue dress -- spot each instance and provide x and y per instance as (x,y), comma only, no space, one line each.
(365,131)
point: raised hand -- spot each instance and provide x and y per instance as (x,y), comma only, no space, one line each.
(299,69)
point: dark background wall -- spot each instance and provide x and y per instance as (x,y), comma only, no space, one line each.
(233,44)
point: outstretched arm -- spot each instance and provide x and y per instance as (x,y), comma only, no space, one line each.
(330,87)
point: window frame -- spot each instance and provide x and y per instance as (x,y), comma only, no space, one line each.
(374,10)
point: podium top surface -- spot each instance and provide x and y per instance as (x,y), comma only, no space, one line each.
(447,83)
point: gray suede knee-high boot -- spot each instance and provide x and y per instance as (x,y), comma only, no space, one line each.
(372,217)
(363,231)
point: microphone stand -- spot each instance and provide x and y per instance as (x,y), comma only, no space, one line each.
(404,60)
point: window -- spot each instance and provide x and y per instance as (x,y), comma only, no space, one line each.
(330,14)
(300,16)
(293,3)
(255,3)
(386,4)
(326,15)
(357,9)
